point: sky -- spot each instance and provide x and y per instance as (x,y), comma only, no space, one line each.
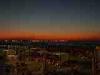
(50,19)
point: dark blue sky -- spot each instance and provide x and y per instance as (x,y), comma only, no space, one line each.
(50,16)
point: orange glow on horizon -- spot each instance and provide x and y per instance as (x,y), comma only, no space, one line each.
(28,35)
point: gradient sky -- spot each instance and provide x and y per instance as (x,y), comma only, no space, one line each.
(66,19)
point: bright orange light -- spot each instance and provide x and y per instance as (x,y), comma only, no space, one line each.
(28,35)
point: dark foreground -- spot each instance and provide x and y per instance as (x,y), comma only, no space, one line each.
(27,57)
